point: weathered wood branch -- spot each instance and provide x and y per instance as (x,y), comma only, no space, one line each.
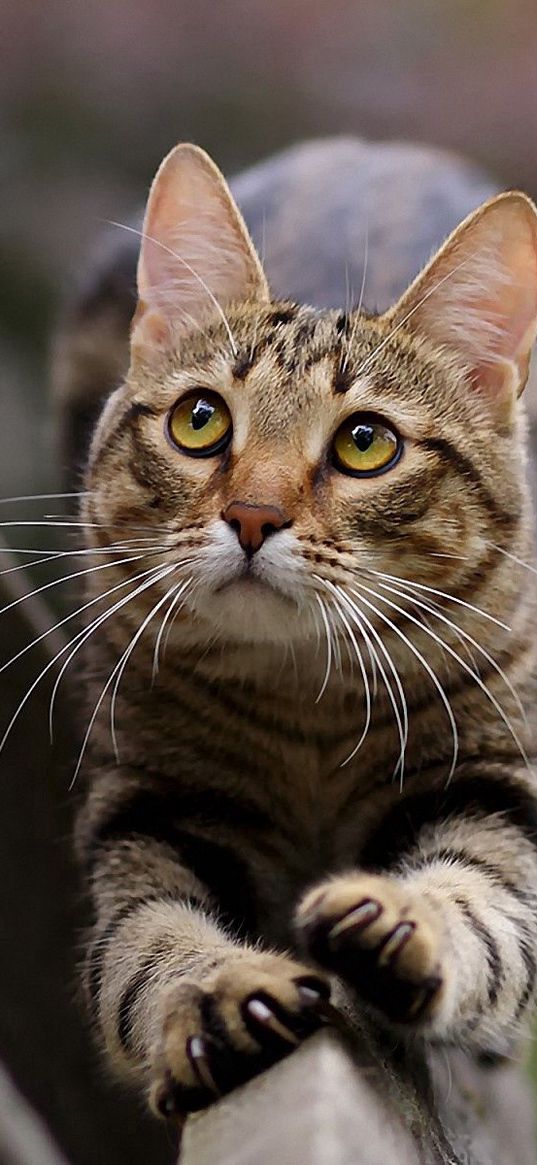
(24,1139)
(331,1103)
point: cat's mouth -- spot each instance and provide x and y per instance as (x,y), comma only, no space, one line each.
(251,597)
(248,578)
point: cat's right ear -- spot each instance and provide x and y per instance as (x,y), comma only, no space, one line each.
(196,255)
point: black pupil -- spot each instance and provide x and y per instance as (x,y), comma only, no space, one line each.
(201,414)
(363,437)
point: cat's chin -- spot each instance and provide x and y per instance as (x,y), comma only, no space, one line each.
(249,610)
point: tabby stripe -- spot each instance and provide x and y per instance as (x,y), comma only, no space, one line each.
(451,855)
(162,808)
(344,376)
(254,718)
(495,965)
(131,995)
(135,409)
(215,864)
(398,831)
(531,977)
(463,466)
(101,944)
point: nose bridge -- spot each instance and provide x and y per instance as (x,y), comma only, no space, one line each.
(265,479)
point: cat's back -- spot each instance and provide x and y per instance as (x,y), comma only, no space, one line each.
(336,221)
(332,214)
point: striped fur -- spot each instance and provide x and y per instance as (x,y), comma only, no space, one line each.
(239,848)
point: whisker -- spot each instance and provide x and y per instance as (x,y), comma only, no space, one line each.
(85,632)
(513,558)
(72,615)
(361,299)
(401,714)
(476,678)
(41,497)
(328,647)
(361,664)
(68,578)
(182,587)
(441,594)
(110,680)
(429,670)
(69,524)
(53,661)
(124,660)
(469,638)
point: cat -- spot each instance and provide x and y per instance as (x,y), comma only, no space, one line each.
(310,672)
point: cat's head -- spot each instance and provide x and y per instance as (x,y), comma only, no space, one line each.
(285,459)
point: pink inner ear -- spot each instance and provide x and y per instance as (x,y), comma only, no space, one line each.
(196,255)
(479,296)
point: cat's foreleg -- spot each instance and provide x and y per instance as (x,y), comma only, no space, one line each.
(183,1007)
(446,939)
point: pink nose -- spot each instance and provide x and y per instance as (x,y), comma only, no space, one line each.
(253,523)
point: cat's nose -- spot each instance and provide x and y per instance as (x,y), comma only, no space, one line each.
(253,524)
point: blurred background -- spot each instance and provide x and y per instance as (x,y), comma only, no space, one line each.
(92,94)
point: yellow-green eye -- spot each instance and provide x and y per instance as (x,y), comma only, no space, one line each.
(200,424)
(364,446)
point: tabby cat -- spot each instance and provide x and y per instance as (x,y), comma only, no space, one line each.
(307,751)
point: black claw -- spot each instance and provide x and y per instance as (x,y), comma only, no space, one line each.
(198,1053)
(311,989)
(277,1029)
(174,1101)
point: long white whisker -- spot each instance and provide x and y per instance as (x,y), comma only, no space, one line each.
(148,583)
(513,558)
(53,661)
(124,660)
(58,524)
(179,589)
(328,647)
(429,670)
(85,633)
(361,664)
(72,615)
(476,678)
(41,497)
(67,578)
(361,299)
(469,638)
(401,714)
(441,594)
(163,574)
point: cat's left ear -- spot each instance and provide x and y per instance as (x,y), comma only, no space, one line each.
(477,298)
(196,255)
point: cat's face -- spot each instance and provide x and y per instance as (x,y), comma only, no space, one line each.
(287,459)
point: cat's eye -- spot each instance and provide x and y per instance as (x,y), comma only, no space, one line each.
(365,445)
(200,424)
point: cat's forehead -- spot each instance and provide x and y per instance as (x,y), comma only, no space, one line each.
(288,365)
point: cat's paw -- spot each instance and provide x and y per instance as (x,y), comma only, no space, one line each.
(382,939)
(237,1021)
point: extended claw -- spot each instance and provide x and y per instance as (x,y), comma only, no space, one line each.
(262,1014)
(196,1050)
(357,919)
